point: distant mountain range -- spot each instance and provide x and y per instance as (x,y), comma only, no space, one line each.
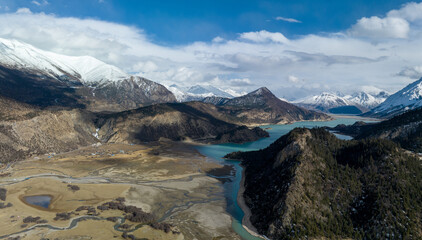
(34,76)
(356,103)
(198,92)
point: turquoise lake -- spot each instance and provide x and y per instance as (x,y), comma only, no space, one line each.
(231,188)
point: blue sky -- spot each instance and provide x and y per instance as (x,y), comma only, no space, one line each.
(296,48)
(180,22)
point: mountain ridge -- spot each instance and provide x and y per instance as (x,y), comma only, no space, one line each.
(408,98)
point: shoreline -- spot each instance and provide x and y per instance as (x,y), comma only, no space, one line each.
(246,223)
(335,116)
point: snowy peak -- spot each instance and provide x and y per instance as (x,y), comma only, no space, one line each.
(324,100)
(363,101)
(85,69)
(368,100)
(409,97)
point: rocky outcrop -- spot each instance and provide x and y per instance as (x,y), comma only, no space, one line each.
(310,185)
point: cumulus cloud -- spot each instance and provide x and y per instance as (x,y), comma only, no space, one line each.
(337,61)
(292,20)
(218,39)
(264,36)
(375,27)
(23,11)
(411,11)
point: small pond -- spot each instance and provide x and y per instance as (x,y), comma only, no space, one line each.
(38,200)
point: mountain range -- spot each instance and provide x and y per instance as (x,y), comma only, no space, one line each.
(54,103)
(356,103)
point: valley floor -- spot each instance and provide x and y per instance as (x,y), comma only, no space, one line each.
(166,179)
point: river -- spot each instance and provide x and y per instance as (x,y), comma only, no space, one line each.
(231,188)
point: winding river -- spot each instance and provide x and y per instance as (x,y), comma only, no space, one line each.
(216,152)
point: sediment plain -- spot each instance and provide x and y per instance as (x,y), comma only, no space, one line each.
(168,180)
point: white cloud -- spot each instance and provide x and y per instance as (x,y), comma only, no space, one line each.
(23,11)
(36,3)
(240,82)
(338,61)
(293,79)
(292,20)
(375,27)
(411,11)
(218,39)
(264,36)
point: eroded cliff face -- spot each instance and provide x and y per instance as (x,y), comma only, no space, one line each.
(309,184)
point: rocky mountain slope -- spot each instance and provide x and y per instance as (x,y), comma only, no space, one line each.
(408,98)
(175,121)
(310,185)
(34,76)
(262,107)
(25,130)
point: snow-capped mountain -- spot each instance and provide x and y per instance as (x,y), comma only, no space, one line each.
(408,98)
(86,69)
(357,103)
(323,101)
(55,79)
(199,92)
(366,99)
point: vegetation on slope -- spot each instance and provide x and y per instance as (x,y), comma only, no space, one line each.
(309,184)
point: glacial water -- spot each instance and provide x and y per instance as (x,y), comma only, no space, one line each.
(39,200)
(231,188)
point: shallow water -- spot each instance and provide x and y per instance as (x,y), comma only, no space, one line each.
(231,188)
(39,200)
